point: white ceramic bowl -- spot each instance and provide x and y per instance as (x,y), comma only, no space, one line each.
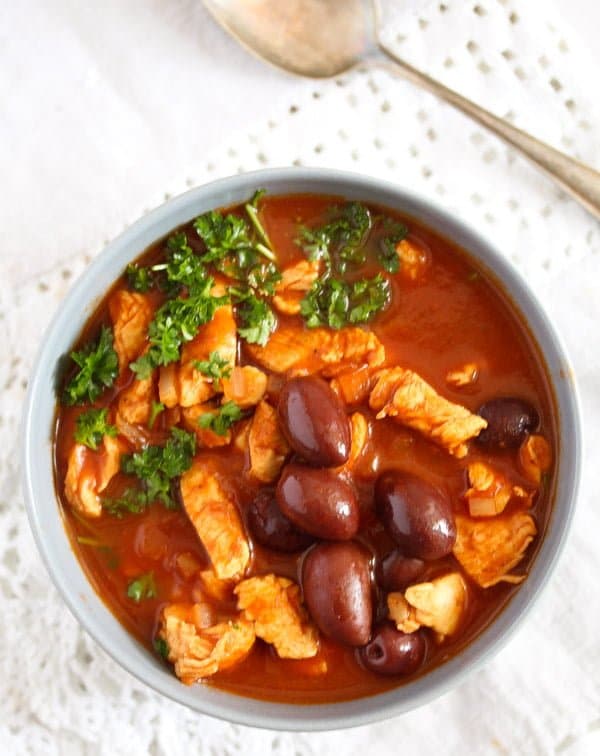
(43,506)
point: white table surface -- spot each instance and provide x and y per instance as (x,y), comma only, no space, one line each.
(107,108)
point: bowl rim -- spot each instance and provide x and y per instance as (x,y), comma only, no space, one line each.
(44,511)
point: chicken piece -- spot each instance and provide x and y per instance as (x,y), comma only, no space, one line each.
(298,351)
(439,603)
(414,259)
(354,386)
(206,437)
(199,652)
(465,375)
(402,613)
(296,280)
(489,549)
(182,383)
(490,491)
(134,411)
(89,472)
(359,428)
(274,604)
(245,386)
(535,457)
(266,443)
(242,433)
(131,314)
(405,396)
(216,519)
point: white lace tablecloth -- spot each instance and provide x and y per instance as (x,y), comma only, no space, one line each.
(107,109)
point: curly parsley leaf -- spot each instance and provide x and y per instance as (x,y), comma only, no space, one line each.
(98,368)
(139,279)
(215,367)
(131,501)
(156,408)
(91,427)
(221,421)
(176,322)
(387,255)
(156,466)
(143,587)
(335,303)
(161,647)
(222,234)
(257,320)
(341,241)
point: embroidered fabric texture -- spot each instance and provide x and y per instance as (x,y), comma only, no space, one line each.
(123,103)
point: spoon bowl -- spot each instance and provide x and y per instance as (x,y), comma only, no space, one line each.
(324,38)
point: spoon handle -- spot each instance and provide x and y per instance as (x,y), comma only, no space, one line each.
(576,178)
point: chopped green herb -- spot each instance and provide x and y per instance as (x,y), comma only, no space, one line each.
(156,409)
(221,421)
(263,278)
(87,541)
(184,267)
(335,303)
(222,234)
(98,368)
(139,279)
(264,247)
(341,241)
(215,367)
(257,320)
(176,322)
(131,501)
(143,587)
(92,426)
(156,466)
(161,647)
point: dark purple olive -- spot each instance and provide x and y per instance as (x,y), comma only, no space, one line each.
(509,420)
(337,591)
(397,571)
(392,652)
(417,515)
(319,502)
(314,421)
(271,528)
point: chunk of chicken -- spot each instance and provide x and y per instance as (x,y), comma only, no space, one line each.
(535,457)
(402,613)
(216,519)
(489,549)
(206,437)
(439,603)
(273,604)
(182,383)
(465,375)
(414,259)
(491,491)
(266,443)
(296,280)
(298,351)
(354,386)
(405,396)
(131,314)
(199,652)
(89,473)
(245,386)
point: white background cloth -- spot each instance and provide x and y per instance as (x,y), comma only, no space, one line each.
(106,109)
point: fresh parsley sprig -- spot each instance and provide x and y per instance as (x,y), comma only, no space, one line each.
(215,367)
(341,241)
(222,419)
(336,303)
(91,427)
(143,587)
(98,368)
(157,466)
(256,320)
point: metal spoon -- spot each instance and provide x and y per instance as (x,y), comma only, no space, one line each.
(322,38)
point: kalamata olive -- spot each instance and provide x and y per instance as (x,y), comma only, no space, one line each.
(417,515)
(318,501)
(397,571)
(271,528)
(337,591)
(314,421)
(392,652)
(509,420)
